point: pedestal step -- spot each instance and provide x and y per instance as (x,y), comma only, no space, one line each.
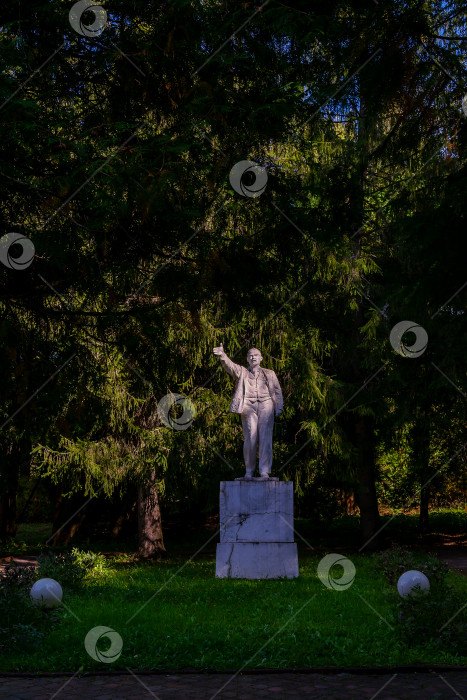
(256,560)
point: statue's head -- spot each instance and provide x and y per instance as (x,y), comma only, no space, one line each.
(254,358)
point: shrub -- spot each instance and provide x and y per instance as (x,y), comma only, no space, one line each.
(394,561)
(18,577)
(62,567)
(71,569)
(435,618)
(23,625)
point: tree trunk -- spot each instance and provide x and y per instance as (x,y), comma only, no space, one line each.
(150,537)
(124,520)
(424,503)
(421,433)
(362,427)
(347,501)
(8,511)
(15,445)
(365,490)
(421,444)
(9,479)
(69,515)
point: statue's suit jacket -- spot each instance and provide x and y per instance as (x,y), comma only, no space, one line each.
(241,374)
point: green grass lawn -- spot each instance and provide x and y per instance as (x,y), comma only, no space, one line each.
(173,615)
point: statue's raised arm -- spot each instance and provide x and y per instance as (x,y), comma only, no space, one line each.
(229,366)
(219,351)
(257,398)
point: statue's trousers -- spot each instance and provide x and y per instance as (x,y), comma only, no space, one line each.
(258,425)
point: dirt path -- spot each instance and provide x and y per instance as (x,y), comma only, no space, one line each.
(454,556)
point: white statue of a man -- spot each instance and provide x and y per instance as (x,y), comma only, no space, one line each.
(257,397)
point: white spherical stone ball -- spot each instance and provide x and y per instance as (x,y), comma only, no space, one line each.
(409,580)
(46,593)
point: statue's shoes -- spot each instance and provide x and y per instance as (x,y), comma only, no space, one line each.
(257,478)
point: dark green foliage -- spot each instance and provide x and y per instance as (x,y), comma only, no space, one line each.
(397,559)
(19,577)
(22,625)
(146,258)
(71,569)
(435,619)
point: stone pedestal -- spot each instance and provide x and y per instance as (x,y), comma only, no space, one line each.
(256,530)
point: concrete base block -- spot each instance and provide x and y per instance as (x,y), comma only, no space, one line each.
(256,560)
(256,511)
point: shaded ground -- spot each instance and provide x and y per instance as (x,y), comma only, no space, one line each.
(454,557)
(334,534)
(452,550)
(293,686)
(21,561)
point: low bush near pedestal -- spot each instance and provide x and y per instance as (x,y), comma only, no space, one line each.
(432,618)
